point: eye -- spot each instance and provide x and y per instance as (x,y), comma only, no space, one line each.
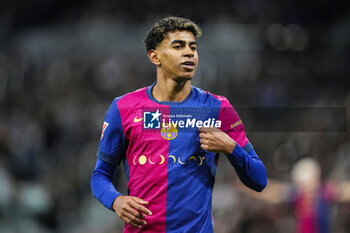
(177,47)
(194,48)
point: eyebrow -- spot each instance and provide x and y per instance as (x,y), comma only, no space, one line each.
(183,42)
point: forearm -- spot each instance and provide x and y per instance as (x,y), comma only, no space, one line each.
(102,184)
(249,168)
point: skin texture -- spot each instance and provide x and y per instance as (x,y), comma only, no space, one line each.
(173,77)
(215,140)
(176,59)
(131,210)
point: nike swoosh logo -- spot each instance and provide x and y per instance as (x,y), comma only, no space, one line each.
(138,120)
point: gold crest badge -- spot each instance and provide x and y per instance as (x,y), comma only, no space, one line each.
(169,131)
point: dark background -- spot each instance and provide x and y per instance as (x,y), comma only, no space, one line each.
(63,62)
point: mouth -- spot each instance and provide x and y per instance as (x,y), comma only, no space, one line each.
(189,65)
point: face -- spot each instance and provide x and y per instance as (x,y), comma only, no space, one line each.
(307,175)
(177,55)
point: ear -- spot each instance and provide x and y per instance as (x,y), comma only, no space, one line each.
(153,56)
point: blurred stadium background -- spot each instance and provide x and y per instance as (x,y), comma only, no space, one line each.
(63,62)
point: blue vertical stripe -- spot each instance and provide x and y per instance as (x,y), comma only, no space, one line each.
(191,178)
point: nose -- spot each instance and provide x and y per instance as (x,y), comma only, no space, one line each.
(188,52)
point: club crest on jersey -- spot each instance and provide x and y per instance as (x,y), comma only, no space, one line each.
(105,125)
(169,132)
(151,120)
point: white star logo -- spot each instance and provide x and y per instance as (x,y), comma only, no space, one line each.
(156,115)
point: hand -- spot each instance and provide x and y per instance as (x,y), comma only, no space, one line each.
(215,140)
(131,210)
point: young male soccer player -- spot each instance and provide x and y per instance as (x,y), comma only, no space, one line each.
(168,136)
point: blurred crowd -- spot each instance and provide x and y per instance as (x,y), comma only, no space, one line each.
(63,62)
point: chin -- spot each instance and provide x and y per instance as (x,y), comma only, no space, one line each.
(183,78)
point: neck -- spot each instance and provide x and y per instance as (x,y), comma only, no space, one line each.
(171,90)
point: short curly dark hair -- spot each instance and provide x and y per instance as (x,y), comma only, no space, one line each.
(168,24)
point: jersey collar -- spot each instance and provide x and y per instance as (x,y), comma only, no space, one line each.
(150,96)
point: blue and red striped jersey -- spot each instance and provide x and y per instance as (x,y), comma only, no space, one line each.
(158,144)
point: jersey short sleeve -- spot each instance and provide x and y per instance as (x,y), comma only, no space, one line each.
(232,125)
(112,144)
